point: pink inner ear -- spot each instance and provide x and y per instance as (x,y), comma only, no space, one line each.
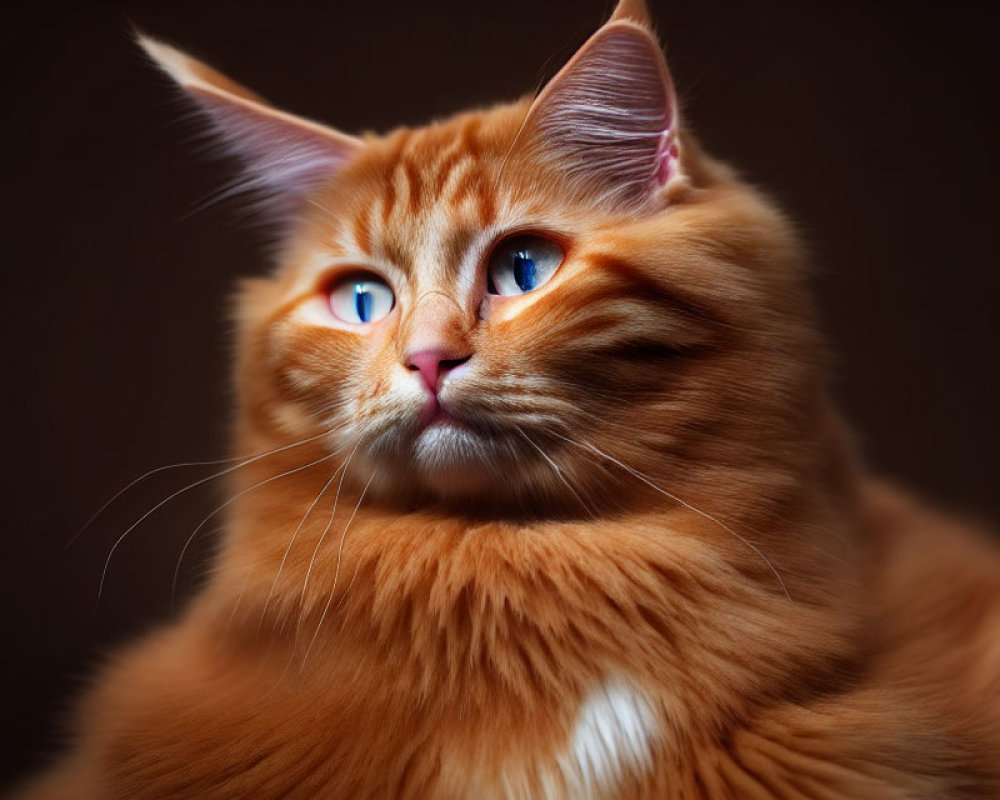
(667,156)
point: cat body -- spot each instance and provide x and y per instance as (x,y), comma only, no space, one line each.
(602,535)
(461,679)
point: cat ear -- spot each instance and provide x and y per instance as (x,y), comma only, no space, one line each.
(284,156)
(608,119)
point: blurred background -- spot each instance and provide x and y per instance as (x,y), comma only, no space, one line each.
(875,125)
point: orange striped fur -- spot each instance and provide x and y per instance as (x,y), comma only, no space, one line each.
(654,569)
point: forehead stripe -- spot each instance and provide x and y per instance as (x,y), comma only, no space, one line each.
(362,229)
(473,183)
(414,184)
(444,170)
(388,201)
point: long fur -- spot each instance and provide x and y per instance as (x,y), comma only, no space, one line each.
(648,565)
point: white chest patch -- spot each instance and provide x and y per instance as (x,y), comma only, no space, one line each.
(612,736)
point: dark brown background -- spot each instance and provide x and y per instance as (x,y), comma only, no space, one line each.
(875,125)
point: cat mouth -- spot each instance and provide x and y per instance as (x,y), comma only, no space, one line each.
(445,446)
(437,414)
(446,440)
(449,450)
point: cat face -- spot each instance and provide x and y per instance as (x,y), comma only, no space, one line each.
(526,306)
(450,320)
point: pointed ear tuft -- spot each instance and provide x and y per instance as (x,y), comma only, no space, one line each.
(190,73)
(284,156)
(632,11)
(608,119)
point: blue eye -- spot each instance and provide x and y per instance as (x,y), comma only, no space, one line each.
(522,263)
(361,299)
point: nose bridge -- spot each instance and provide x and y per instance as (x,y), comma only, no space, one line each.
(435,323)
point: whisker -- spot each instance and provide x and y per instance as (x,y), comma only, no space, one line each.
(635,473)
(230,501)
(189,487)
(157,470)
(558,472)
(333,512)
(291,542)
(510,150)
(326,530)
(236,605)
(336,574)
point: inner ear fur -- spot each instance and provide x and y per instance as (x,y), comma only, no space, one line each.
(608,120)
(284,156)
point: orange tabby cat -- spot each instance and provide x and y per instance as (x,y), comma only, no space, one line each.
(551,500)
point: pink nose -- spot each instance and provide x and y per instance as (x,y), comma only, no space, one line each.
(433,365)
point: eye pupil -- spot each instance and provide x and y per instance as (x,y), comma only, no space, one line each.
(363,301)
(524,270)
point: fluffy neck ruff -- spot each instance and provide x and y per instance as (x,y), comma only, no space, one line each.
(720,611)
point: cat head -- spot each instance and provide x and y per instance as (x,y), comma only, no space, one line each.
(545,307)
